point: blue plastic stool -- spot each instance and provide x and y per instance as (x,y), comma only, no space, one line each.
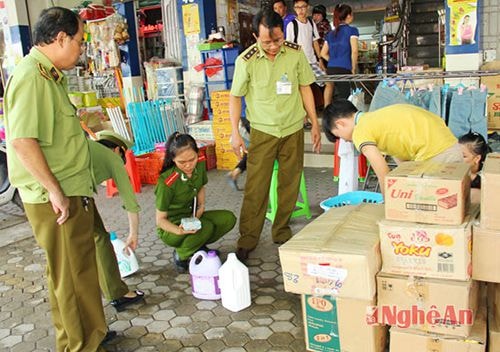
(351,198)
(302,208)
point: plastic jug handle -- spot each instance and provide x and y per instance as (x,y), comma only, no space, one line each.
(195,257)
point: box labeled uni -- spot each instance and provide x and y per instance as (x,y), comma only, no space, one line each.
(428,192)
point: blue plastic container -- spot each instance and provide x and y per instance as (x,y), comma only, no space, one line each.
(351,198)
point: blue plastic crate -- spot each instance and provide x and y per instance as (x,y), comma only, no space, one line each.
(351,198)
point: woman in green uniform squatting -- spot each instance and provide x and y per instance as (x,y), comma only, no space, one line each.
(180,187)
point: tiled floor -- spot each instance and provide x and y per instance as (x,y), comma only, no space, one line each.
(170,319)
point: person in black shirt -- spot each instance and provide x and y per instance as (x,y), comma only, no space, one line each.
(474,149)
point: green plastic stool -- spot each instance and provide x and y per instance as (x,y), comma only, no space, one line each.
(302,208)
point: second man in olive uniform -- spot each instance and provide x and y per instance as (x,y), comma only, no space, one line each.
(274,77)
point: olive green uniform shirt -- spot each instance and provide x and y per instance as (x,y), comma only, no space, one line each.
(256,77)
(37,106)
(175,192)
(106,165)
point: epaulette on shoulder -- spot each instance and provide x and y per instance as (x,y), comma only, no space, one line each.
(253,50)
(170,180)
(291,45)
(202,158)
(43,71)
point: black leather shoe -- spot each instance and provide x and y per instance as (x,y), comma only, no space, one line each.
(242,254)
(122,302)
(110,335)
(181,266)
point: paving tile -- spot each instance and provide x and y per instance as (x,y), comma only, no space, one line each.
(193,340)
(141,321)
(175,333)
(281,326)
(282,315)
(135,332)
(23,347)
(198,327)
(259,333)
(264,300)
(151,339)
(236,339)
(220,321)
(257,346)
(158,326)
(212,346)
(164,315)
(182,321)
(206,305)
(280,339)
(10,341)
(216,333)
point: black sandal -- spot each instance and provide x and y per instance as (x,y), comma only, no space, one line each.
(123,302)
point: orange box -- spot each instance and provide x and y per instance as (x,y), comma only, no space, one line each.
(220,95)
(428,192)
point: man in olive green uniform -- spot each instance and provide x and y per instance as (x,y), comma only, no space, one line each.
(274,77)
(48,160)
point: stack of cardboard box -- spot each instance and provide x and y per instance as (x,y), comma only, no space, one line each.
(221,127)
(486,254)
(425,290)
(332,263)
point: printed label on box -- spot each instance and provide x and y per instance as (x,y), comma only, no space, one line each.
(322,324)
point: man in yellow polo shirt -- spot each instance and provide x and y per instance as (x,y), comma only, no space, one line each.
(403,131)
(49,162)
(274,77)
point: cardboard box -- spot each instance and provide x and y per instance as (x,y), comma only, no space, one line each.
(406,340)
(428,192)
(494,300)
(201,130)
(453,303)
(493,333)
(220,95)
(485,254)
(336,254)
(493,101)
(440,251)
(339,324)
(490,184)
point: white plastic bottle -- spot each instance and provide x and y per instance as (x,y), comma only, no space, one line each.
(127,263)
(234,283)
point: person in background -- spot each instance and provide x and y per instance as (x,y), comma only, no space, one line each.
(403,131)
(107,158)
(274,76)
(180,187)
(324,27)
(279,6)
(466,31)
(341,51)
(49,163)
(303,31)
(474,149)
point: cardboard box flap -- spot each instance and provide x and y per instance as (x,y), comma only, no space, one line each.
(421,169)
(492,164)
(472,214)
(349,229)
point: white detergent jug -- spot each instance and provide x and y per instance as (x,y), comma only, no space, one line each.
(204,272)
(234,284)
(127,262)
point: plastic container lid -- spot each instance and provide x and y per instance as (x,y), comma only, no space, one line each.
(112,236)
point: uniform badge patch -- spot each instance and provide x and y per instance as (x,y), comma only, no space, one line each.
(251,52)
(170,180)
(291,45)
(43,71)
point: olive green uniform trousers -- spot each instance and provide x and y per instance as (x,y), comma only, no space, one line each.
(263,151)
(214,225)
(74,295)
(110,280)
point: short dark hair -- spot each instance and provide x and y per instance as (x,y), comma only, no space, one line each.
(52,21)
(319,9)
(306,1)
(339,109)
(177,142)
(267,18)
(278,1)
